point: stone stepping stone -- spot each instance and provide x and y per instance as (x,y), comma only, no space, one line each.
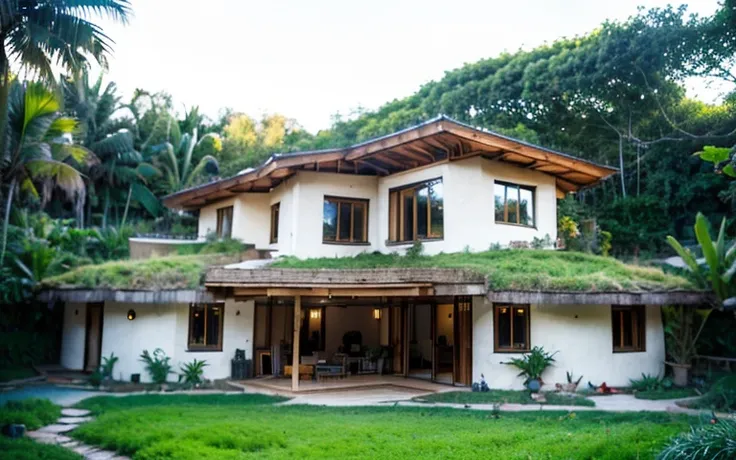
(69,412)
(100,455)
(84,449)
(58,428)
(70,444)
(73,420)
(42,437)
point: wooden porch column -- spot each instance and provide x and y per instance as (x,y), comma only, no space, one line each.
(295,343)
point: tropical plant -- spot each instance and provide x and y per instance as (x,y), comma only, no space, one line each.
(157,365)
(533,364)
(715,440)
(108,364)
(178,164)
(40,32)
(37,152)
(649,382)
(718,266)
(191,373)
(683,326)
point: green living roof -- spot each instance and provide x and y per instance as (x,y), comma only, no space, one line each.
(172,272)
(520,270)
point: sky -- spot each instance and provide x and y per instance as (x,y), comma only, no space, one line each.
(311,59)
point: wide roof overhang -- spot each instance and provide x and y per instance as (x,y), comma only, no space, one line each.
(415,282)
(437,140)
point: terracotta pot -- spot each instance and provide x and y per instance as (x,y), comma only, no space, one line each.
(681,373)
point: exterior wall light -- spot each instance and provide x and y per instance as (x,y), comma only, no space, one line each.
(376,313)
(131,314)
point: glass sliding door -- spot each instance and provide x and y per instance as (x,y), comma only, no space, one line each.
(463,327)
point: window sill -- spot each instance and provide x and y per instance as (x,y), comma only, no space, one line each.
(346,243)
(203,350)
(409,243)
(628,351)
(534,227)
(512,351)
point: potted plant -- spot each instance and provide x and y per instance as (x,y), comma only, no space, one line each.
(532,365)
(681,338)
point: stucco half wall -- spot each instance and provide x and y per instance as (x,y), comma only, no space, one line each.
(164,326)
(582,337)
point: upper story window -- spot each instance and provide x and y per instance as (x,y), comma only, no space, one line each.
(205,327)
(514,204)
(416,211)
(511,328)
(275,211)
(629,328)
(345,220)
(225,222)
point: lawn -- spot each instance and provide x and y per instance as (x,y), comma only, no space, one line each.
(519,269)
(674,393)
(27,449)
(504,396)
(248,426)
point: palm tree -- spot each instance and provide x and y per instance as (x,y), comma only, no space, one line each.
(112,141)
(177,164)
(36,33)
(39,151)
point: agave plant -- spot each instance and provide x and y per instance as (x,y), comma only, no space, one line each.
(718,265)
(192,372)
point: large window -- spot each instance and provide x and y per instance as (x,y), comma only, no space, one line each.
(514,204)
(629,328)
(225,222)
(416,212)
(205,327)
(345,220)
(511,328)
(275,210)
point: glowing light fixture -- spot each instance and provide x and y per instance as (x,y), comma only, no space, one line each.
(315,313)
(131,315)
(376,313)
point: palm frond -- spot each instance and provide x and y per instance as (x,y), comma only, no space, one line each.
(54,173)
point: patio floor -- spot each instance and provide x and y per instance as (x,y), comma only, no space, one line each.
(411,387)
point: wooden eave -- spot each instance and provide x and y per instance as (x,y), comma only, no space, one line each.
(440,139)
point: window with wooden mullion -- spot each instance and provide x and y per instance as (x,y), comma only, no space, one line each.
(420,212)
(345,220)
(628,328)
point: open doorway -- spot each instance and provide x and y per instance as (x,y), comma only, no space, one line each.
(93,337)
(420,336)
(444,343)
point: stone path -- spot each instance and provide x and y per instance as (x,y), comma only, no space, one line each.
(70,419)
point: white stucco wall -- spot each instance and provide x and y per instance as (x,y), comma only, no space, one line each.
(164,326)
(469,217)
(73,336)
(582,335)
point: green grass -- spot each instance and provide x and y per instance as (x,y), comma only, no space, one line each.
(33,413)
(9,373)
(26,449)
(519,269)
(674,393)
(504,396)
(172,272)
(246,426)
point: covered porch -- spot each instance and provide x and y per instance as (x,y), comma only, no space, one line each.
(327,332)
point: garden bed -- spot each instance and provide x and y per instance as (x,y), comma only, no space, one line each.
(504,397)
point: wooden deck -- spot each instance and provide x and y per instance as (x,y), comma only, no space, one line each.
(353,382)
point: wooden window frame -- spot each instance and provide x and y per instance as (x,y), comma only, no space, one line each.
(204,347)
(220,217)
(275,215)
(638,329)
(338,200)
(496,347)
(519,188)
(396,212)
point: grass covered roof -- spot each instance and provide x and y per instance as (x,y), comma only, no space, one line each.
(522,270)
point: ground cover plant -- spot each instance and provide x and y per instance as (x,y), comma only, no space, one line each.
(33,413)
(27,449)
(519,269)
(250,426)
(504,397)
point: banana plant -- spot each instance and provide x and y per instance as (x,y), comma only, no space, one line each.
(716,269)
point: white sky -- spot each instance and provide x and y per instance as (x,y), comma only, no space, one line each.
(310,59)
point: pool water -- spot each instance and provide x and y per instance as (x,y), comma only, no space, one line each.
(59,395)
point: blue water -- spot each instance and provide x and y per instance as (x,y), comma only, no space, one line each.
(59,395)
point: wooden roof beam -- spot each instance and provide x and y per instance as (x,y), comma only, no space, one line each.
(383,158)
(379,169)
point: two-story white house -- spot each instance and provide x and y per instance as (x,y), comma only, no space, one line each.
(453,187)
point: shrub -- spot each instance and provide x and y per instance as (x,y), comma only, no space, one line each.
(192,372)
(712,442)
(415,251)
(33,413)
(108,364)
(649,382)
(157,365)
(721,396)
(533,364)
